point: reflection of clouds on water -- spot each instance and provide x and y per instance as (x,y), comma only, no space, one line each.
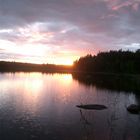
(46,104)
(26,89)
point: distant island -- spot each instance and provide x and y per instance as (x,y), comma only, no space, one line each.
(118,62)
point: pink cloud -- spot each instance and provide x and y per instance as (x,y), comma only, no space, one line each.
(130,3)
(125,4)
(136,6)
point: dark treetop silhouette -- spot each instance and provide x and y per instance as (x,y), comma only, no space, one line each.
(110,62)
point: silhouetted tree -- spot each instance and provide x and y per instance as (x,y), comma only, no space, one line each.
(113,61)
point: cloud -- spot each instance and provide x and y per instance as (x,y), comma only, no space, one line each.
(76,26)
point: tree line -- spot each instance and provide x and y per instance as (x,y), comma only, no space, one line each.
(110,62)
(28,67)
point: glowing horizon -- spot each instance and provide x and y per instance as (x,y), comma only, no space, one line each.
(58,33)
(32,51)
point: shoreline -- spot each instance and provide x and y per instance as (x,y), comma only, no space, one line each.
(6,67)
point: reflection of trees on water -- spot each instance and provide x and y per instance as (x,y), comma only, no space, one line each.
(127,83)
(120,124)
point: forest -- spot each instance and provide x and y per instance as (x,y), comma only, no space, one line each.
(122,62)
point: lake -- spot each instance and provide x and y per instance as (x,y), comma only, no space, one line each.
(43,107)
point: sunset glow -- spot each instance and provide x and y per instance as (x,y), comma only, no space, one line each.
(30,49)
(58,33)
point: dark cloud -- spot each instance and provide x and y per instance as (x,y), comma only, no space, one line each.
(89,25)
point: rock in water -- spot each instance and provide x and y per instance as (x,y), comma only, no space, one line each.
(134,109)
(92,106)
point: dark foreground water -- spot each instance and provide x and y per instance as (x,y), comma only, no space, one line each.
(43,107)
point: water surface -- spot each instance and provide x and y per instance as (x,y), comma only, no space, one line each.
(43,106)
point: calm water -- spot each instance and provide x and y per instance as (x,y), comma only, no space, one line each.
(43,107)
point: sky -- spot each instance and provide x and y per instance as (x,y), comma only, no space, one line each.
(60,31)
